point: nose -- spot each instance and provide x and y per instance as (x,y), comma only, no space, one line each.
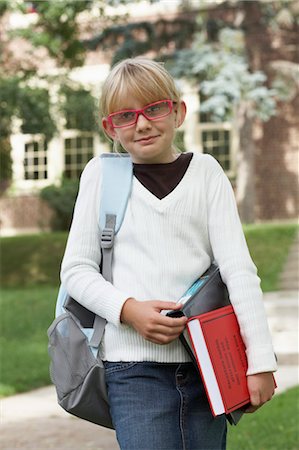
(142,122)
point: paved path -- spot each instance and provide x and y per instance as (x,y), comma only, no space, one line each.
(34,421)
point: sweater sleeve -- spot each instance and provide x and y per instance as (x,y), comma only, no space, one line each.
(82,258)
(238,271)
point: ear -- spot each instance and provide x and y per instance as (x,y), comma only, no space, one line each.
(108,128)
(180,114)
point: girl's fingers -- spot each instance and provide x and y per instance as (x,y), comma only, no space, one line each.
(168,331)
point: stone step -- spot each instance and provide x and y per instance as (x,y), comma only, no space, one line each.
(289,285)
(293,261)
(291,273)
(282,314)
(287,359)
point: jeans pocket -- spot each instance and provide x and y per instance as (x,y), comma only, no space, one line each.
(113,367)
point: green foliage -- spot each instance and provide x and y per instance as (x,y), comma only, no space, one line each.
(223,77)
(31,105)
(57,30)
(34,110)
(3,7)
(32,260)
(5,164)
(133,39)
(76,100)
(61,199)
(8,103)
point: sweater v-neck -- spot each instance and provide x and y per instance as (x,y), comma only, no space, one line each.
(151,198)
(162,179)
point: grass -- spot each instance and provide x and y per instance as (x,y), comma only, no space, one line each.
(25,316)
(269,245)
(273,427)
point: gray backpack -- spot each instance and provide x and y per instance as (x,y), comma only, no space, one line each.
(76,369)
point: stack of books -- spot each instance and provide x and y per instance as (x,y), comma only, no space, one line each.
(213,340)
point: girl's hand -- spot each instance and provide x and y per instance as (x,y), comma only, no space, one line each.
(147,320)
(261,389)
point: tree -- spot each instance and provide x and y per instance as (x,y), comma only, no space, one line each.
(60,34)
(230,91)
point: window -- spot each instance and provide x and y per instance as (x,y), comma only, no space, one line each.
(35,160)
(217,143)
(78,150)
(219,140)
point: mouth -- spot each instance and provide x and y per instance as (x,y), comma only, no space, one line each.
(146,139)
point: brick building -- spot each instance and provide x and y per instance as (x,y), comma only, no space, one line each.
(272,192)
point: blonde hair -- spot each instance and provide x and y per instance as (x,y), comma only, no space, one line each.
(140,78)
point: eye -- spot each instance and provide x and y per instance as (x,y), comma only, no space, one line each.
(126,115)
(153,109)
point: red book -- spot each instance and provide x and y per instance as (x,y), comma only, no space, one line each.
(221,358)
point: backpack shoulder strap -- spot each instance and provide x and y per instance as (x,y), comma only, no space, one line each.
(116,188)
(117,175)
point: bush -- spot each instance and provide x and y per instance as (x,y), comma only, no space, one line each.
(61,199)
(5,164)
(32,260)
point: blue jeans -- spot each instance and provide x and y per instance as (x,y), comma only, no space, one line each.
(157,406)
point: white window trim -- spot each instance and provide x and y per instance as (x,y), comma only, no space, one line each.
(233,142)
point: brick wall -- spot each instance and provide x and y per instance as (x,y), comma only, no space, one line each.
(277,164)
(23,214)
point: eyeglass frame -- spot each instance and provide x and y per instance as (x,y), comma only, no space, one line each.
(141,111)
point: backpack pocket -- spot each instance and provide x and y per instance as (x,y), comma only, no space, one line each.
(79,376)
(71,357)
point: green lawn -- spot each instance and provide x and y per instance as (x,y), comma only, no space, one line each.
(25,316)
(273,427)
(269,245)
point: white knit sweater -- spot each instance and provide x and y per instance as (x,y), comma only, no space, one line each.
(162,247)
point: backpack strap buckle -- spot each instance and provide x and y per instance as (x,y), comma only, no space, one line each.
(107,241)
(107,238)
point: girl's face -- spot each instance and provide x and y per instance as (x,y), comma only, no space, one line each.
(147,141)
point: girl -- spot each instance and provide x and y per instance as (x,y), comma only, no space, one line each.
(180,217)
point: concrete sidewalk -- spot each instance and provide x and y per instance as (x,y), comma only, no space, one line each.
(34,420)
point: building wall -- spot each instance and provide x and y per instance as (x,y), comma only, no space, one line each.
(24,214)
(277,165)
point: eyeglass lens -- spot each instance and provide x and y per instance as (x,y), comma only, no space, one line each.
(151,112)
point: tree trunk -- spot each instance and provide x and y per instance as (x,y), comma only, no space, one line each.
(245,189)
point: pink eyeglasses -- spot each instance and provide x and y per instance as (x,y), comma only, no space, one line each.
(153,111)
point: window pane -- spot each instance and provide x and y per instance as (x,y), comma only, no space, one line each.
(35,160)
(79,142)
(216,143)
